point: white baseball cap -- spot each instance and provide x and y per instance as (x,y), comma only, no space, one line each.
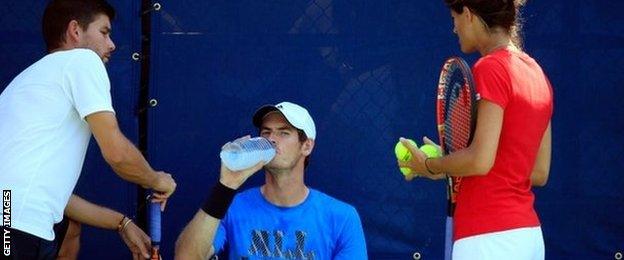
(296,115)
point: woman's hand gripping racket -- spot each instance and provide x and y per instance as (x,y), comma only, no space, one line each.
(456,120)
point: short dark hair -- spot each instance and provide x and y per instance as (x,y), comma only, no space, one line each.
(59,13)
(495,13)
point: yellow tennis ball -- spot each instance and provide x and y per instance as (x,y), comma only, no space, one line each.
(403,154)
(405,170)
(431,151)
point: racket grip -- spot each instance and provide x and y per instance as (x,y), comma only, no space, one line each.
(154,223)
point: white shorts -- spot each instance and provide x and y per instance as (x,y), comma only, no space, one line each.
(520,244)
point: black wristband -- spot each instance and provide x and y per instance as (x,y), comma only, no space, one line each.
(219,201)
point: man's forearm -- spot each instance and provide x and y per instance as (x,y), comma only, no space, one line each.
(130,165)
(195,241)
(121,154)
(88,213)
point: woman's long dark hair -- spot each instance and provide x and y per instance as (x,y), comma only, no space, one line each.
(495,13)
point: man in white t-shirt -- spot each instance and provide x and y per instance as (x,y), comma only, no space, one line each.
(48,113)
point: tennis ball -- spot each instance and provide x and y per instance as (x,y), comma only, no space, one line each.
(430,150)
(403,154)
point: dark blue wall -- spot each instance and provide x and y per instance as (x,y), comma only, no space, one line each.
(367,71)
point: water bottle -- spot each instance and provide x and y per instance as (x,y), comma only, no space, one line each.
(245,153)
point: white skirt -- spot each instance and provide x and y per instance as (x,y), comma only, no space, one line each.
(513,244)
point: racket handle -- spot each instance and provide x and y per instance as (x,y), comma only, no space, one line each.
(448,239)
(155,253)
(154,228)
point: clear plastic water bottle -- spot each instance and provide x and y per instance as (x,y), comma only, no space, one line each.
(242,154)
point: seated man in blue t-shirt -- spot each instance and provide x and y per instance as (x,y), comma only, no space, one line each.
(283,219)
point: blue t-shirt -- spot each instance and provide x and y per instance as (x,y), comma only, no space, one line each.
(319,228)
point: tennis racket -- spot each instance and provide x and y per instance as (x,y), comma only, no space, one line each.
(456,119)
(154,229)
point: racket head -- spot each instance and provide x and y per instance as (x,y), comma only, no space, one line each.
(456,113)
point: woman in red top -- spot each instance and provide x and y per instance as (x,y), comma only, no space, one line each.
(510,152)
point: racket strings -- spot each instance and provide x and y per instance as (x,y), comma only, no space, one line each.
(457,122)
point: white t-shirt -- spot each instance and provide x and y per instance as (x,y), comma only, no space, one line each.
(44,135)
